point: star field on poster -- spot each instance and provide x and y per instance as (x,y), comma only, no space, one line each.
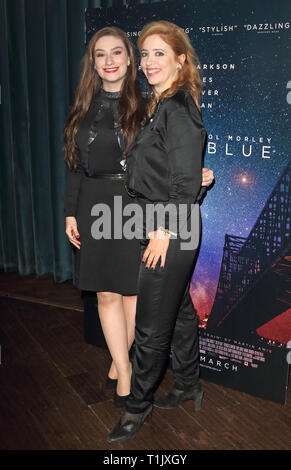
(245,56)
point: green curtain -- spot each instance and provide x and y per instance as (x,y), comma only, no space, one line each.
(42,43)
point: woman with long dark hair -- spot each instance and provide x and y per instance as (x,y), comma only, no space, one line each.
(164,170)
(108,99)
(104,120)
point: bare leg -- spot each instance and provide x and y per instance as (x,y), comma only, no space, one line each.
(113,321)
(129,305)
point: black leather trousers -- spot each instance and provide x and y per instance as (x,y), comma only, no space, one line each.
(165,319)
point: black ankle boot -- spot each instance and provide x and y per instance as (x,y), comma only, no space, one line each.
(176,396)
(129,425)
(110,384)
(119,401)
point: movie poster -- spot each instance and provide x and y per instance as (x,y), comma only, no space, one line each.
(241,285)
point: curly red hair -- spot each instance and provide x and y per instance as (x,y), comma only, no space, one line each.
(179,41)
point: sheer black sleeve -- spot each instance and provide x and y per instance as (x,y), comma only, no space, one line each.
(73,182)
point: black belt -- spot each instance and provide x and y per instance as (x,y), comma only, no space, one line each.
(108,176)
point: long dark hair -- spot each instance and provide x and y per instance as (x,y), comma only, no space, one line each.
(131,105)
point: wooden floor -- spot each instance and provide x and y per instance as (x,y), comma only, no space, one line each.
(52,392)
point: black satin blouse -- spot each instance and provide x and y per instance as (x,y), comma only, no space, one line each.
(165,162)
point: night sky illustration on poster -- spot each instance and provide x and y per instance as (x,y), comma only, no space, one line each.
(245,53)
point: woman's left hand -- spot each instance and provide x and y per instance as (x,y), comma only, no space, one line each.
(157,248)
(207,177)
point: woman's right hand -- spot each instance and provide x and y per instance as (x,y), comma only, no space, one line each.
(157,248)
(72,231)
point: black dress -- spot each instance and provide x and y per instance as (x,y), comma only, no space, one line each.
(109,265)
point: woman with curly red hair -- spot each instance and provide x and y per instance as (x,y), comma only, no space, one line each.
(164,168)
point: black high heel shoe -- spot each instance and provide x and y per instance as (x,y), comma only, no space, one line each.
(110,384)
(176,396)
(129,425)
(119,401)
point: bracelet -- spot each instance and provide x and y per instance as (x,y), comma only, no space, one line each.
(168,232)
